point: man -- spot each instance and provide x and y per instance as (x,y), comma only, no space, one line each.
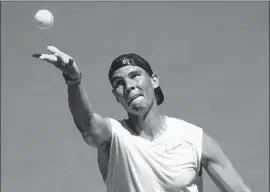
(149,151)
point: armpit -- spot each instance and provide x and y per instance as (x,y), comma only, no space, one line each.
(103,158)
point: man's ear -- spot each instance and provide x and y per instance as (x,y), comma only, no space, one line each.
(155,81)
(115,95)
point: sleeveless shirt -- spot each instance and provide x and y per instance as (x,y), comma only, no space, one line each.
(170,163)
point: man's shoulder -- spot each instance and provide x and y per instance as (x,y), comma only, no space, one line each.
(181,123)
(119,125)
(185,130)
(115,121)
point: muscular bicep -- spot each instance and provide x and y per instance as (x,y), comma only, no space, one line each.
(100,133)
(219,167)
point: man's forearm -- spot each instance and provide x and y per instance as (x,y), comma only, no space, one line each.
(226,178)
(80,108)
(219,167)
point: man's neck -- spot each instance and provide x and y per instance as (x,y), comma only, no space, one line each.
(149,125)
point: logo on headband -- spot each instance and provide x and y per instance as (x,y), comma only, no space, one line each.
(126,61)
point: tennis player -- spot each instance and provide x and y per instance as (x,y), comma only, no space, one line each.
(148,151)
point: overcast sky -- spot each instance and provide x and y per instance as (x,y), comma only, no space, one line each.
(212,59)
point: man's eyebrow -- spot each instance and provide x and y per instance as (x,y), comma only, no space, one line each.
(130,73)
(135,71)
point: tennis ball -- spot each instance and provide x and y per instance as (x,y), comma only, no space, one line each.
(44,19)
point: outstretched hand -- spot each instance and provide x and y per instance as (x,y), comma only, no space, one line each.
(60,60)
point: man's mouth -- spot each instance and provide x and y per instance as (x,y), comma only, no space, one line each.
(133,98)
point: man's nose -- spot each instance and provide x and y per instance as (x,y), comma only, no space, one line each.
(129,86)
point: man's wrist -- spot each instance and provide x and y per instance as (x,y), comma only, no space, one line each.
(71,81)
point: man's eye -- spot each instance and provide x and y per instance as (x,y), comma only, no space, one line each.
(134,76)
(118,83)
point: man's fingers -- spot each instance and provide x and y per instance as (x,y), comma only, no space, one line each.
(54,50)
(60,60)
(57,52)
(50,58)
(36,55)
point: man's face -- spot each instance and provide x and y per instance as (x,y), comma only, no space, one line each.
(134,89)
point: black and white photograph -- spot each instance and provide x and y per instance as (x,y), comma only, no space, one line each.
(135,96)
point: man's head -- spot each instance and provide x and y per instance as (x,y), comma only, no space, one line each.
(134,84)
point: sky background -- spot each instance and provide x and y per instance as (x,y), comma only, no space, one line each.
(212,59)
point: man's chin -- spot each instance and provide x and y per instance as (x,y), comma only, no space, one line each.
(138,106)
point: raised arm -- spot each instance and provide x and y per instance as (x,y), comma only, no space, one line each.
(94,128)
(219,168)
